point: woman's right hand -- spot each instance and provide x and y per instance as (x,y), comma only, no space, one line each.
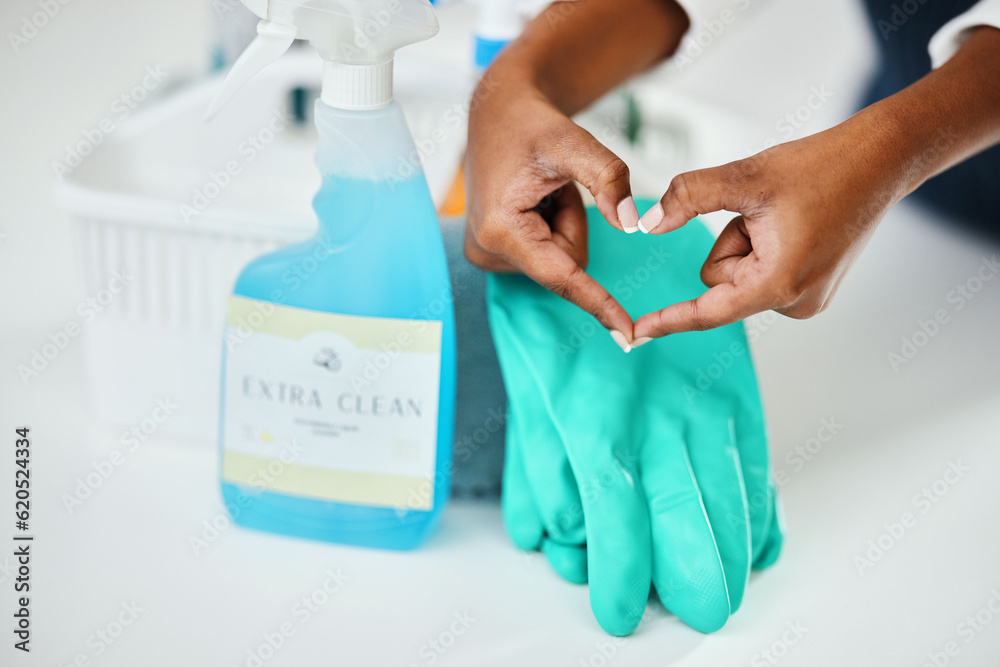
(524,210)
(525,155)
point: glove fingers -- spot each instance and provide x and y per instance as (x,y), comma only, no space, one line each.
(541,501)
(775,537)
(751,443)
(553,483)
(569,561)
(520,515)
(619,569)
(553,488)
(687,569)
(543,455)
(716,467)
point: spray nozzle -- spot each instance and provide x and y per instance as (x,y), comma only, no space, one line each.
(273,39)
(355,38)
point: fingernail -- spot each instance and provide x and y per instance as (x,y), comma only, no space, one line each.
(640,341)
(651,219)
(619,338)
(628,215)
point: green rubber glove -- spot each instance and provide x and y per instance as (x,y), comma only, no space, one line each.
(627,469)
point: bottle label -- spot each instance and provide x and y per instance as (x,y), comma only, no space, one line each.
(334,407)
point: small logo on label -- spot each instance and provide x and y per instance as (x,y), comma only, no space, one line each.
(328,359)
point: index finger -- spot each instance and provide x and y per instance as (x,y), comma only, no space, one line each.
(723,304)
(695,193)
(551,267)
(567,219)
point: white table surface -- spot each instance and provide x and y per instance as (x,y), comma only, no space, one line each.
(901,431)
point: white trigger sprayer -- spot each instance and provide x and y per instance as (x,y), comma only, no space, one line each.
(355,38)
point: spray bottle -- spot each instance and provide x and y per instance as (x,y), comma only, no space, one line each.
(498,23)
(339,365)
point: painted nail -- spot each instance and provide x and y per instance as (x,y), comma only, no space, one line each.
(651,219)
(619,338)
(628,215)
(640,341)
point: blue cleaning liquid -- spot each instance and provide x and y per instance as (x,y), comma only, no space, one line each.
(378,253)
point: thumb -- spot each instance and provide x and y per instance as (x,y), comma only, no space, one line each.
(589,162)
(732,247)
(695,192)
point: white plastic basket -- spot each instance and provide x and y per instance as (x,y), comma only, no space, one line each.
(161,337)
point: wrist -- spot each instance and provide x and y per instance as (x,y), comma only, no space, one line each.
(501,91)
(895,149)
(947,116)
(575,52)
(518,74)
(867,159)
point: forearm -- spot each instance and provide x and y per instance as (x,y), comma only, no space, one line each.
(575,52)
(944,118)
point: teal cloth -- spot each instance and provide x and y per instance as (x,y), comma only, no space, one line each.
(638,469)
(480,405)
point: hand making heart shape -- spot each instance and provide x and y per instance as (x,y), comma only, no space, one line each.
(787,250)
